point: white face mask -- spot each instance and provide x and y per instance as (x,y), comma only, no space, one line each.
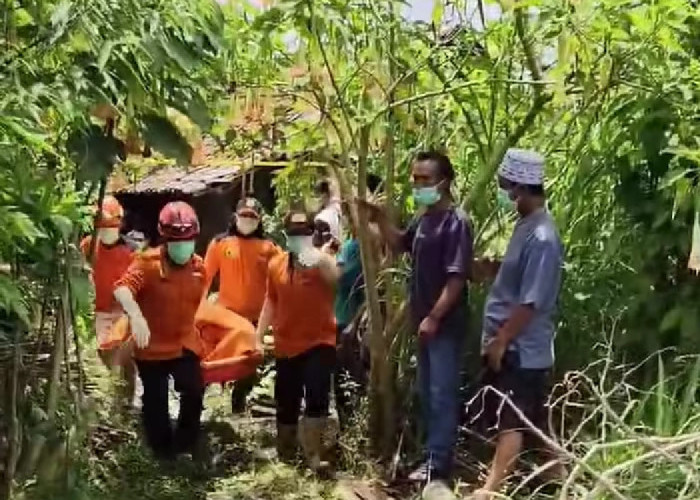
(108,235)
(246,225)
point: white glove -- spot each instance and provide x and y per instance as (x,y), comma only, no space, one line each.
(139,326)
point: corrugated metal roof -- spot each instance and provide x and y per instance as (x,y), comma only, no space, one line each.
(183,180)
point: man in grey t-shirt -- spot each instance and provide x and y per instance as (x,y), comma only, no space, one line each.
(518,328)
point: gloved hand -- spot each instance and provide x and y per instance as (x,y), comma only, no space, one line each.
(140,330)
(139,327)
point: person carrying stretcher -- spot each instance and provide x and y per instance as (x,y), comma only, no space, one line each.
(160,293)
(109,261)
(240,258)
(299,307)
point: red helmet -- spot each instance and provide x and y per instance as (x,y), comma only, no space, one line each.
(112,213)
(178,221)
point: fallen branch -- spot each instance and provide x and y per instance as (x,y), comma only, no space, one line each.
(553,445)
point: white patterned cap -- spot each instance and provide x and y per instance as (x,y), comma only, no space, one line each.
(522,166)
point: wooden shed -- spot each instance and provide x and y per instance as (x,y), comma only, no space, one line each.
(212,191)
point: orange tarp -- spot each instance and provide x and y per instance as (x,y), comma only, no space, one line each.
(228,340)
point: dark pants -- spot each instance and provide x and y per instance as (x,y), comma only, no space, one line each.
(350,377)
(155,375)
(307,375)
(241,389)
(527,389)
(439,362)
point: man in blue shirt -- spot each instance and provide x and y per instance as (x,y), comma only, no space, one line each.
(439,241)
(518,328)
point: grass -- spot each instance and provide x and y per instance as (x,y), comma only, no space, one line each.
(115,465)
(620,442)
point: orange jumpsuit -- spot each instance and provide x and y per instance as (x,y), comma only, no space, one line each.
(241,264)
(108,265)
(169,297)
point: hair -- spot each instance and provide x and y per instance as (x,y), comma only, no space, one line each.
(323,187)
(310,217)
(442,162)
(534,190)
(374,183)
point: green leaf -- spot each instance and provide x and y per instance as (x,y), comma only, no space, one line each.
(163,136)
(82,290)
(671,319)
(689,394)
(94,153)
(181,53)
(12,299)
(22,18)
(268,20)
(60,14)
(438,10)
(105,52)
(660,398)
(23,134)
(218,18)
(156,52)
(63,225)
(195,108)
(18,227)
(690,326)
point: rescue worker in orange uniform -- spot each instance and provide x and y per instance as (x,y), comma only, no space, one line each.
(299,307)
(161,292)
(240,258)
(110,260)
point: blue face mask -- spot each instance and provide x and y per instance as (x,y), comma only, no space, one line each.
(426,196)
(297,244)
(180,251)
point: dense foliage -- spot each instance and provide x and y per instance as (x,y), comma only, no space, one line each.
(608,90)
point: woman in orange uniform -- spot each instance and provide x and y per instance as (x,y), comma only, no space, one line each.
(161,292)
(110,259)
(299,307)
(240,258)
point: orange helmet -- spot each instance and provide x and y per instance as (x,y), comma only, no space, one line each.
(178,221)
(112,213)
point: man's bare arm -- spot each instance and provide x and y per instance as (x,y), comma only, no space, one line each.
(449,296)
(516,323)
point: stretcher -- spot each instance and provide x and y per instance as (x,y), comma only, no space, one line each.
(228,343)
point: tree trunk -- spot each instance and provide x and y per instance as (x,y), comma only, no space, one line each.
(381,396)
(56,362)
(98,216)
(14,432)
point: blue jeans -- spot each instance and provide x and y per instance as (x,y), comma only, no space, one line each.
(439,363)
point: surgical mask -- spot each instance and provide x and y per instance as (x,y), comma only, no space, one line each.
(426,196)
(180,251)
(246,225)
(108,235)
(299,244)
(504,201)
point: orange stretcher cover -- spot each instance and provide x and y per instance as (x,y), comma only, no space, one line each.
(228,342)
